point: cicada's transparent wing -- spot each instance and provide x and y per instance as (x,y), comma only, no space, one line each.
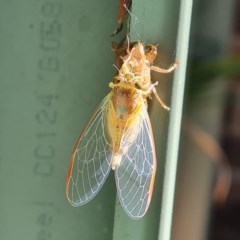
(136,173)
(91,159)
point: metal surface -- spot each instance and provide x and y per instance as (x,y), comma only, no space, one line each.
(152,23)
(56,63)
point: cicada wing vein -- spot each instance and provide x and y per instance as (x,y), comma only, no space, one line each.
(136,173)
(91,159)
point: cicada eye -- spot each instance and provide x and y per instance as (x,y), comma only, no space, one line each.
(137,86)
(128,76)
(116,80)
(148,49)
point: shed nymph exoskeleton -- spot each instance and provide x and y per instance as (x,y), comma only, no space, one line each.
(123,11)
(119,136)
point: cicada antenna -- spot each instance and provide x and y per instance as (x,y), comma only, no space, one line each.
(119,72)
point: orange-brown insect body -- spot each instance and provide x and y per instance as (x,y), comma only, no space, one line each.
(128,97)
(123,117)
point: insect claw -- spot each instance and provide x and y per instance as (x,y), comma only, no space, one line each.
(117,30)
(163,105)
(161,70)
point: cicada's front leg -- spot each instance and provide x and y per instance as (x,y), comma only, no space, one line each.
(162,70)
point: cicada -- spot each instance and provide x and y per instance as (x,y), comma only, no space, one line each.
(119,136)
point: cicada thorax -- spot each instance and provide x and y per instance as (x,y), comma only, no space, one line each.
(135,68)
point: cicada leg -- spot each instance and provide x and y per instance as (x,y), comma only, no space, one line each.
(161,70)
